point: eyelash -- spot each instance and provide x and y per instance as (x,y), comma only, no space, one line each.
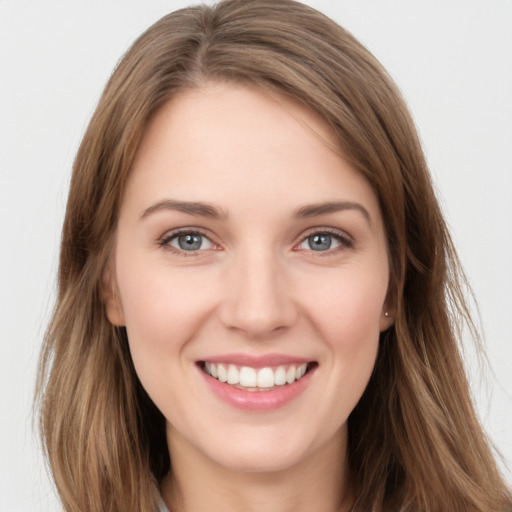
(345,241)
(165,241)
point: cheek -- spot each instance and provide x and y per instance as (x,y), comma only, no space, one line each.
(347,308)
(347,313)
(163,310)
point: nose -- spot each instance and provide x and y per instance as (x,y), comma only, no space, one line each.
(258,301)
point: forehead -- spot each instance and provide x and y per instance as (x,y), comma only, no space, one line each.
(226,142)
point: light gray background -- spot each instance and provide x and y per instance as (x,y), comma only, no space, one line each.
(451,58)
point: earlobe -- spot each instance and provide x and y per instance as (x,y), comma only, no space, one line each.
(387,319)
(112,300)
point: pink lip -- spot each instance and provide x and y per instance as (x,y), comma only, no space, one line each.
(257,361)
(257,401)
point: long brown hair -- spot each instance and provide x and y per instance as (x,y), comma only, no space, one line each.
(415,443)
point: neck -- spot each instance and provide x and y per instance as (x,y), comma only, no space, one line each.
(318,483)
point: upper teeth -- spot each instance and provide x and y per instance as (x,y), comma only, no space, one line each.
(255,377)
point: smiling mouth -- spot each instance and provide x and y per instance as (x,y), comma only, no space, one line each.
(257,379)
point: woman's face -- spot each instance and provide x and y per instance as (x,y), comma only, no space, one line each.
(248,250)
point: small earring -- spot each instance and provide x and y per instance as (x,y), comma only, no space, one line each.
(386,314)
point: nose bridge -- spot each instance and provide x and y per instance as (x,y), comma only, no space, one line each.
(257,299)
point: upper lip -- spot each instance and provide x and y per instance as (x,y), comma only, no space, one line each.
(260,361)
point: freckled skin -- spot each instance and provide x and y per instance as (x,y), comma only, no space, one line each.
(256,286)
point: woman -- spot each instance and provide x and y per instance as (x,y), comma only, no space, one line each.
(258,297)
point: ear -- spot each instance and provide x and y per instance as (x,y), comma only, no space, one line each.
(112,299)
(387,318)
(388,313)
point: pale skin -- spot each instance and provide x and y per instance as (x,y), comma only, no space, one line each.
(289,257)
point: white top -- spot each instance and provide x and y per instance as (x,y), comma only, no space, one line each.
(162,507)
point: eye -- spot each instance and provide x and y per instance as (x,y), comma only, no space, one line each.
(188,241)
(324,241)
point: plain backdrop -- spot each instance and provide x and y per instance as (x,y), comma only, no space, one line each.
(451,58)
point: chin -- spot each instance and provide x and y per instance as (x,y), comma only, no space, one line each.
(264,450)
(261,461)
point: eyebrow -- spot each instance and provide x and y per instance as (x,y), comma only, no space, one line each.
(318,209)
(191,207)
(201,209)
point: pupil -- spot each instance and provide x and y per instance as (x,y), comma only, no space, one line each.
(319,242)
(190,242)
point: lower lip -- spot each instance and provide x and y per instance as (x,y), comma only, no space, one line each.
(258,400)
